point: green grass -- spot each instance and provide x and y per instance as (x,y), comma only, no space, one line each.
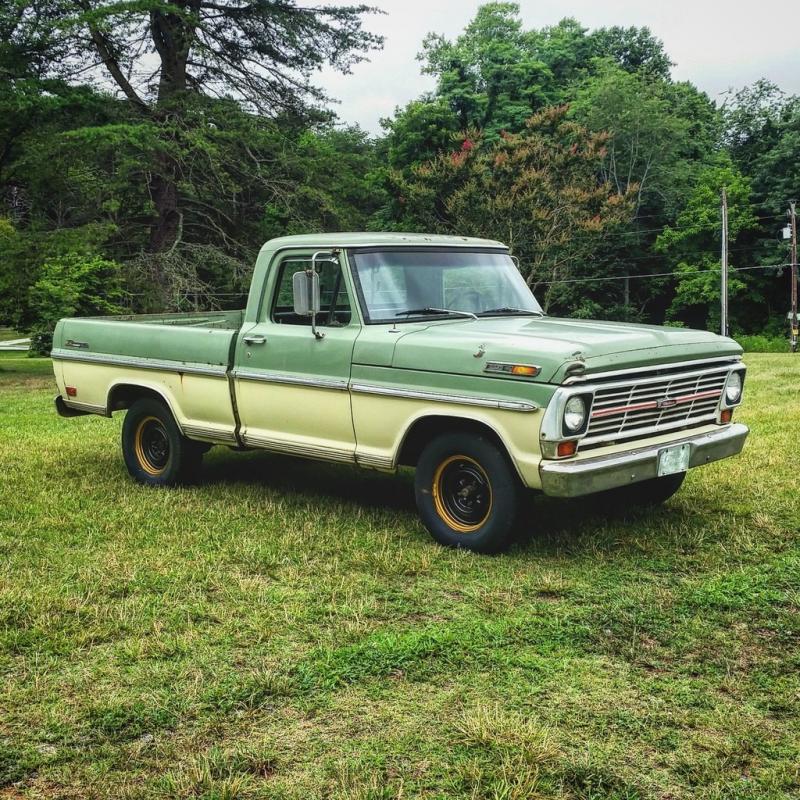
(288,630)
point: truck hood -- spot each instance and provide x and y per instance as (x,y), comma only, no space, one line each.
(553,344)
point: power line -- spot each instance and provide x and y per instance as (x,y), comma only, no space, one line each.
(657,256)
(675,227)
(660,274)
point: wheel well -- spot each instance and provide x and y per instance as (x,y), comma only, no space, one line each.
(425,429)
(124,395)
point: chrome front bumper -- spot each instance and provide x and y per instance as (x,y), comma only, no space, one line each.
(575,478)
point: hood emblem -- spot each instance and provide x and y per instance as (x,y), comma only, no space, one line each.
(479,353)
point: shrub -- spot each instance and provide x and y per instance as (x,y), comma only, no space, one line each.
(75,284)
(763,344)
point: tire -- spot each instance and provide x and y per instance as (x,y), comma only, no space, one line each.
(467,492)
(155,451)
(645,494)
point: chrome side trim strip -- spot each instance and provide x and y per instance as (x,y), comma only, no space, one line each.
(293,380)
(209,433)
(377,462)
(437,397)
(303,450)
(189,368)
(726,360)
(90,408)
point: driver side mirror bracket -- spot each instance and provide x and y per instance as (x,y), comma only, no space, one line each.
(306,290)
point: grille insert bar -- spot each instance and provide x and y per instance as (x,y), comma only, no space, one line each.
(652,405)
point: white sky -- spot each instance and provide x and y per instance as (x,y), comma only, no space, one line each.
(716,45)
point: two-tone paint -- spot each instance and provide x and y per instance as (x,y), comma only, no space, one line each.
(358,393)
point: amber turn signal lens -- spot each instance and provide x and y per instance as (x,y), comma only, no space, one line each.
(726,415)
(566,449)
(524,369)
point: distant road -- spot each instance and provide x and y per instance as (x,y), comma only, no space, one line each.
(16,344)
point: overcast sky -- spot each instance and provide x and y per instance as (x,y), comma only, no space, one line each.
(715,45)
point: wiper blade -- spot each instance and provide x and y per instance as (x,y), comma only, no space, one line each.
(511,310)
(431,311)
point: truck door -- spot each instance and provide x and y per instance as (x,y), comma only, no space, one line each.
(292,387)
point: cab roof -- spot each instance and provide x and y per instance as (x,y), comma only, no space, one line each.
(367,239)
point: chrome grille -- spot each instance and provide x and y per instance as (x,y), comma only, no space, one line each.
(649,405)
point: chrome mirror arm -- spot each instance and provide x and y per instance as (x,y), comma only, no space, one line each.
(332,259)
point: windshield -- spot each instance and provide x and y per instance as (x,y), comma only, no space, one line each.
(402,285)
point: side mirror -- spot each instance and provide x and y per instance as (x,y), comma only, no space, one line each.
(305,293)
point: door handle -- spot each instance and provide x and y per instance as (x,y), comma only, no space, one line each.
(254,339)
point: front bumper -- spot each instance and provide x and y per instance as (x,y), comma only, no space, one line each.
(575,478)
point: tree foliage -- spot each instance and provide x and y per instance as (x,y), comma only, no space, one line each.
(536,190)
(695,241)
(73,285)
(157,144)
(495,74)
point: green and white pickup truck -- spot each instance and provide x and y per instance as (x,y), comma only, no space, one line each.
(401,349)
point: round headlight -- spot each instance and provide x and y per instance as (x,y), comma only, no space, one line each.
(574,414)
(733,388)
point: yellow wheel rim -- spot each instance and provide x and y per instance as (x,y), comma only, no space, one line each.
(151,445)
(462,493)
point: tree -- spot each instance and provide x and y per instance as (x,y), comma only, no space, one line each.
(495,74)
(489,77)
(762,129)
(660,135)
(419,132)
(694,244)
(633,49)
(69,286)
(536,190)
(652,142)
(762,133)
(262,52)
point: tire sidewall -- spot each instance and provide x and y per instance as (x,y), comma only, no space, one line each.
(496,531)
(139,411)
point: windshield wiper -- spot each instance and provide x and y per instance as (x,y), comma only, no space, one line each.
(510,310)
(431,311)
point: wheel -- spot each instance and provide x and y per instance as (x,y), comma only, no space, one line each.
(467,492)
(155,451)
(652,492)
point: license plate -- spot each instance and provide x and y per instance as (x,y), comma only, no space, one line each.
(674,459)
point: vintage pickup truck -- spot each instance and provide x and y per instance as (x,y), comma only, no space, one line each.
(385,350)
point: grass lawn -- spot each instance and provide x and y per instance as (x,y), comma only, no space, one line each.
(288,629)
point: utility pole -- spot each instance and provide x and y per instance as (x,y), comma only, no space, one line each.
(723,294)
(793,323)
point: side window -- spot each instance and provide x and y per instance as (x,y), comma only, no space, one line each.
(335,308)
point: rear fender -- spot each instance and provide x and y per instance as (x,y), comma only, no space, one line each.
(123,393)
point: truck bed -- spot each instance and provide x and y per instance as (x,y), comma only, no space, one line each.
(191,339)
(184,358)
